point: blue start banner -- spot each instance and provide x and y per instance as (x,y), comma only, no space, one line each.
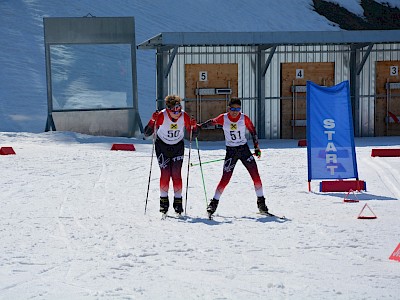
(330,137)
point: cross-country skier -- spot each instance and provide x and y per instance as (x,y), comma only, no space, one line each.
(234,124)
(170,123)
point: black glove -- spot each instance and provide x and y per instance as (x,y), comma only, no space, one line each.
(195,133)
(257,152)
(148,131)
(202,125)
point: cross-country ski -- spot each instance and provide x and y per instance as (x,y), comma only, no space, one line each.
(268,214)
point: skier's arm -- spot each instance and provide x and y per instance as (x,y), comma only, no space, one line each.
(156,120)
(212,122)
(191,125)
(250,127)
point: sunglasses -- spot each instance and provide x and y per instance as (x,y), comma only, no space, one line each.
(235,108)
(175,109)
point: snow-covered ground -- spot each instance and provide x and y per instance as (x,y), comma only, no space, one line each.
(72,226)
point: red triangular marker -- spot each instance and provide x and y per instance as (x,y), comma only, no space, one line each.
(348,200)
(360,216)
(123,147)
(6,151)
(396,254)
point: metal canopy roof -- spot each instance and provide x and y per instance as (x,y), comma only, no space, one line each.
(180,39)
(89,30)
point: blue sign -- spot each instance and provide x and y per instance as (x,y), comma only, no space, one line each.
(330,136)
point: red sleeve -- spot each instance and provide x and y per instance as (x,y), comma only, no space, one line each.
(216,121)
(188,126)
(249,125)
(186,119)
(160,119)
(219,120)
(149,129)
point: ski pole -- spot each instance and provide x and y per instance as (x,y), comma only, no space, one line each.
(151,165)
(201,170)
(207,162)
(187,177)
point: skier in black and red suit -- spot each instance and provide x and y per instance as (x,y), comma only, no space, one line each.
(170,123)
(234,123)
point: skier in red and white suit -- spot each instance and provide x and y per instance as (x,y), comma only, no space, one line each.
(170,123)
(234,123)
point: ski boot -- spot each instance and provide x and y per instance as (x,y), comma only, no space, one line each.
(164,205)
(262,208)
(178,205)
(212,207)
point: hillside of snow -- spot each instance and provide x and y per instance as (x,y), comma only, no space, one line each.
(23,96)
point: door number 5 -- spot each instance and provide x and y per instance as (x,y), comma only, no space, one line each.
(203,76)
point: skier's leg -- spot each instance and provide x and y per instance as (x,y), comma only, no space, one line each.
(177,183)
(250,164)
(176,175)
(229,166)
(164,181)
(164,163)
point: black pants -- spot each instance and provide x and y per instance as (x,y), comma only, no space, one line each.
(233,154)
(170,159)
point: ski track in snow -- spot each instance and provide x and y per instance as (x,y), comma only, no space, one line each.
(72,224)
(389,176)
